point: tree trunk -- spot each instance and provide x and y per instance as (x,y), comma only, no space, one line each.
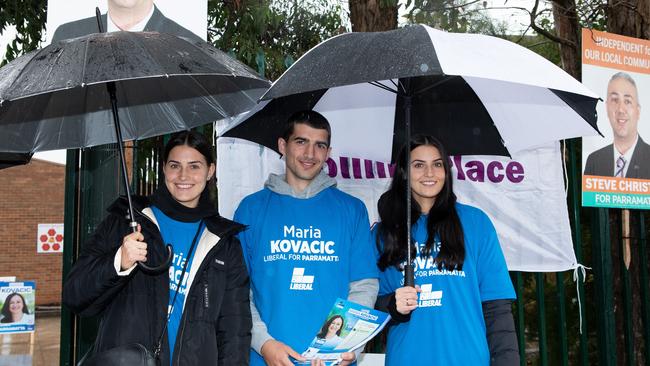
(643,19)
(372,15)
(629,18)
(567,27)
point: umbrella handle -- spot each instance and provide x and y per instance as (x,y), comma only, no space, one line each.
(409,275)
(162,267)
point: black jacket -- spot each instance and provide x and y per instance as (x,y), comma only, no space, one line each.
(216,322)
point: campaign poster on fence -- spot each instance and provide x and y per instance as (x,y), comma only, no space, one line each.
(18,304)
(616,166)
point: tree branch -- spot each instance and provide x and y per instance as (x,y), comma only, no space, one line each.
(543,32)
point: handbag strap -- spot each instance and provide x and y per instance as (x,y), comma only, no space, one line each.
(158,348)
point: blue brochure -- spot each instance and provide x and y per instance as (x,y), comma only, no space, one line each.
(347,327)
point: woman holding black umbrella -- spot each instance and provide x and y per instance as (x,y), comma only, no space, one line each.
(459,312)
(196,312)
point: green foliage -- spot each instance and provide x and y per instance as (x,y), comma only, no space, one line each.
(463,16)
(256,30)
(459,16)
(28,16)
(592,14)
(450,15)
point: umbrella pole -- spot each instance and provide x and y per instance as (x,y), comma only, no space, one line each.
(409,271)
(118,133)
(132,223)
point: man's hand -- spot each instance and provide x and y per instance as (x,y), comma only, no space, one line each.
(277,353)
(134,249)
(406,299)
(346,359)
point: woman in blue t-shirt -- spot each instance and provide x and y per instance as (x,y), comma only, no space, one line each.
(459,312)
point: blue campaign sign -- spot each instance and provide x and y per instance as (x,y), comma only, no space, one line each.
(17,304)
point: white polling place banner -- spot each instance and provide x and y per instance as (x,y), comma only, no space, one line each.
(524,196)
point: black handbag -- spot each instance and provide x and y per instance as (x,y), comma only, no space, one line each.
(135,354)
(130,354)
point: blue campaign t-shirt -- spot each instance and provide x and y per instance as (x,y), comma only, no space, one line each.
(301,255)
(179,235)
(447,327)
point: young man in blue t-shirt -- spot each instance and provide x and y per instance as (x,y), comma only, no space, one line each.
(307,243)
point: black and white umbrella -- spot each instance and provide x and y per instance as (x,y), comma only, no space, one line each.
(479,95)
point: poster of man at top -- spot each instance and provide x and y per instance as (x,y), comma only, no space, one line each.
(616,166)
(76,18)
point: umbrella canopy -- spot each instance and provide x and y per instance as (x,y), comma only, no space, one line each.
(56,97)
(7,160)
(112,87)
(480,95)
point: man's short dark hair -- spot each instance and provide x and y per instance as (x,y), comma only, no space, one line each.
(311,118)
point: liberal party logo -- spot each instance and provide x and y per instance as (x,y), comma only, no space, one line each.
(429,298)
(301,282)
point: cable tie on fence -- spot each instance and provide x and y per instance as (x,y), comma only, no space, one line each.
(576,278)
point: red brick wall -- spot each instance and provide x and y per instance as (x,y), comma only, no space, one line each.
(31,194)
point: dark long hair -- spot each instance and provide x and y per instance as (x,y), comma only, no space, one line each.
(442,217)
(5,308)
(324,328)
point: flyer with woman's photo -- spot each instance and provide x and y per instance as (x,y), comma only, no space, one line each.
(17,305)
(347,327)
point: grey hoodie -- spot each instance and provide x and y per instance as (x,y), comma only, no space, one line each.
(363,292)
(278,183)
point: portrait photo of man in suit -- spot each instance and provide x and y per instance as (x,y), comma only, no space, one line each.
(628,156)
(125,15)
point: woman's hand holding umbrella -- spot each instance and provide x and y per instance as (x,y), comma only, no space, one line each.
(406,299)
(134,249)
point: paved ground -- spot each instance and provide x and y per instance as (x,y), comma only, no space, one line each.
(19,350)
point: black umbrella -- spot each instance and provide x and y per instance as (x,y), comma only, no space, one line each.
(7,160)
(114,87)
(480,95)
